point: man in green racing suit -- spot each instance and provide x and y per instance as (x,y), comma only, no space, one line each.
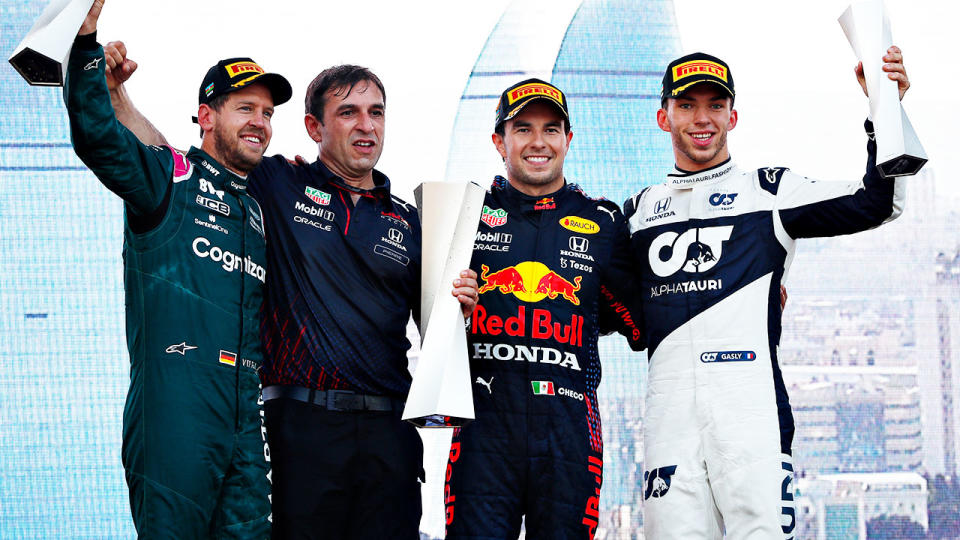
(194,452)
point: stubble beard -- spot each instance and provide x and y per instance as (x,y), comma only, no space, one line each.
(234,158)
(695,155)
(522,177)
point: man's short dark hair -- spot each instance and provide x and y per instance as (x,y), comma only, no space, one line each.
(342,79)
(218,102)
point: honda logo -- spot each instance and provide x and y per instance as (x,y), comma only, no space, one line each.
(395,235)
(579,244)
(662,206)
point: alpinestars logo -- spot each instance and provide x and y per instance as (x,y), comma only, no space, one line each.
(658,481)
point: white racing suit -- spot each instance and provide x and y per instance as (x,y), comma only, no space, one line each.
(712,249)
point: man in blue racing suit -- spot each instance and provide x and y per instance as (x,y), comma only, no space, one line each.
(713,244)
(551,262)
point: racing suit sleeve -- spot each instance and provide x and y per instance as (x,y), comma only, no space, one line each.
(619,303)
(141,175)
(808,208)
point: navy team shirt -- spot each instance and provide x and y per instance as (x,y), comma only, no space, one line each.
(342,279)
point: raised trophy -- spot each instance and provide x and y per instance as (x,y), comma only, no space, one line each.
(41,57)
(899,152)
(441,394)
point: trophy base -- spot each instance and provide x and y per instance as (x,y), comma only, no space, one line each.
(439,421)
(904,165)
(37,69)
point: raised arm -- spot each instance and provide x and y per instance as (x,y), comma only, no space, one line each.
(119,69)
(808,208)
(138,173)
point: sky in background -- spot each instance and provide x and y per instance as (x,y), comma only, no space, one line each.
(799,103)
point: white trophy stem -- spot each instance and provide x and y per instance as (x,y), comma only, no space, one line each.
(441,394)
(899,152)
(41,57)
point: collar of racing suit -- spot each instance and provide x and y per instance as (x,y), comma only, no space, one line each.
(220,176)
(681,179)
(381,184)
(530,203)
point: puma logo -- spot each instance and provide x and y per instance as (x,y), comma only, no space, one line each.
(607,210)
(485,383)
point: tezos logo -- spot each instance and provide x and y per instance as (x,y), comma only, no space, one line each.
(722,199)
(694,251)
(658,481)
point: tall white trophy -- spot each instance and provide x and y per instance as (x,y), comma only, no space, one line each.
(41,57)
(899,152)
(441,394)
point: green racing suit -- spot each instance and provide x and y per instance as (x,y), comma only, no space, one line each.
(194,451)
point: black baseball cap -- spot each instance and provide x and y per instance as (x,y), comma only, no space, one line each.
(686,71)
(236,73)
(518,96)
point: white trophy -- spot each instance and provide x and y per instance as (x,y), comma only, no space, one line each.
(41,57)
(899,152)
(441,394)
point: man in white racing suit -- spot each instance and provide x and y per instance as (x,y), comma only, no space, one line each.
(713,244)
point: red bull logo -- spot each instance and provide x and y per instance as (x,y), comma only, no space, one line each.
(545,203)
(530,281)
(540,324)
(507,280)
(449,499)
(591,511)
(553,285)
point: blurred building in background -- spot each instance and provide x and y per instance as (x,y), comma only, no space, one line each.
(870,349)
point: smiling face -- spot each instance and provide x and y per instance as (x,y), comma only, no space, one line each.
(698,122)
(533,146)
(351,133)
(238,132)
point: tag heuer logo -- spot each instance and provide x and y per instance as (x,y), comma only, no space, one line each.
(493,218)
(318,196)
(542,388)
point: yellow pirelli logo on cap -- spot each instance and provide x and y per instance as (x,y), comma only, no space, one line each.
(239,68)
(695,67)
(534,89)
